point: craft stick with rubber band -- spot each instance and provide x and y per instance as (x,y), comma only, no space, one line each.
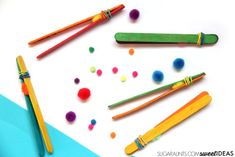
(25,78)
(173,87)
(155,38)
(93,20)
(193,106)
(39,140)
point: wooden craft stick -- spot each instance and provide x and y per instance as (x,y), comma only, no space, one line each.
(66,28)
(50,50)
(35,105)
(37,133)
(193,106)
(94,21)
(149,92)
(174,88)
(157,38)
(42,38)
(36,129)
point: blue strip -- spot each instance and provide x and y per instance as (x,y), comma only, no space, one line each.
(17,137)
(139,145)
(24,75)
(202,38)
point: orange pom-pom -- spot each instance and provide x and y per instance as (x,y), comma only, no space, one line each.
(24,89)
(113,135)
(131,51)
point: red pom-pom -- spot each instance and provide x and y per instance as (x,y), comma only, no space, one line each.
(24,89)
(84,93)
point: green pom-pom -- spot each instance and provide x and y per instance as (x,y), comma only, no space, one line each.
(91,49)
(92,69)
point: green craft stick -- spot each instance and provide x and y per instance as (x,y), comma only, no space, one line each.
(149,92)
(164,38)
(37,134)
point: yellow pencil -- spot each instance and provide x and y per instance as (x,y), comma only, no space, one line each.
(35,106)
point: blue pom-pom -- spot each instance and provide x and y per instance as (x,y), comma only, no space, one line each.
(93,121)
(158,76)
(178,63)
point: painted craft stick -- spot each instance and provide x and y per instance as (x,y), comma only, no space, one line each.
(150,92)
(37,133)
(155,38)
(171,89)
(193,106)
(93,20)
(34,109)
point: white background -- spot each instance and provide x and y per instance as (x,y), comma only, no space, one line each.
(211,129)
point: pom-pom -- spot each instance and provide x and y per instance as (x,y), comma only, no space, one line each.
(158,76)
(135,74)
(92,69)
(84,93)
(113,135)
(134,14)
(123,78)
(76,80)
(99,72)
(96,18)
(131,51)
(91,49)
(178,63)
(115,70)
(90,127)
(70,116)
(24,89)
(93,122)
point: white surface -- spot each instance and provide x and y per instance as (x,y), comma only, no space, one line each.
(210,130)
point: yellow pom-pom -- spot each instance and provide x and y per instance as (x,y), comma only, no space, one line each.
(177,85)
(97,17)
(123,78)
